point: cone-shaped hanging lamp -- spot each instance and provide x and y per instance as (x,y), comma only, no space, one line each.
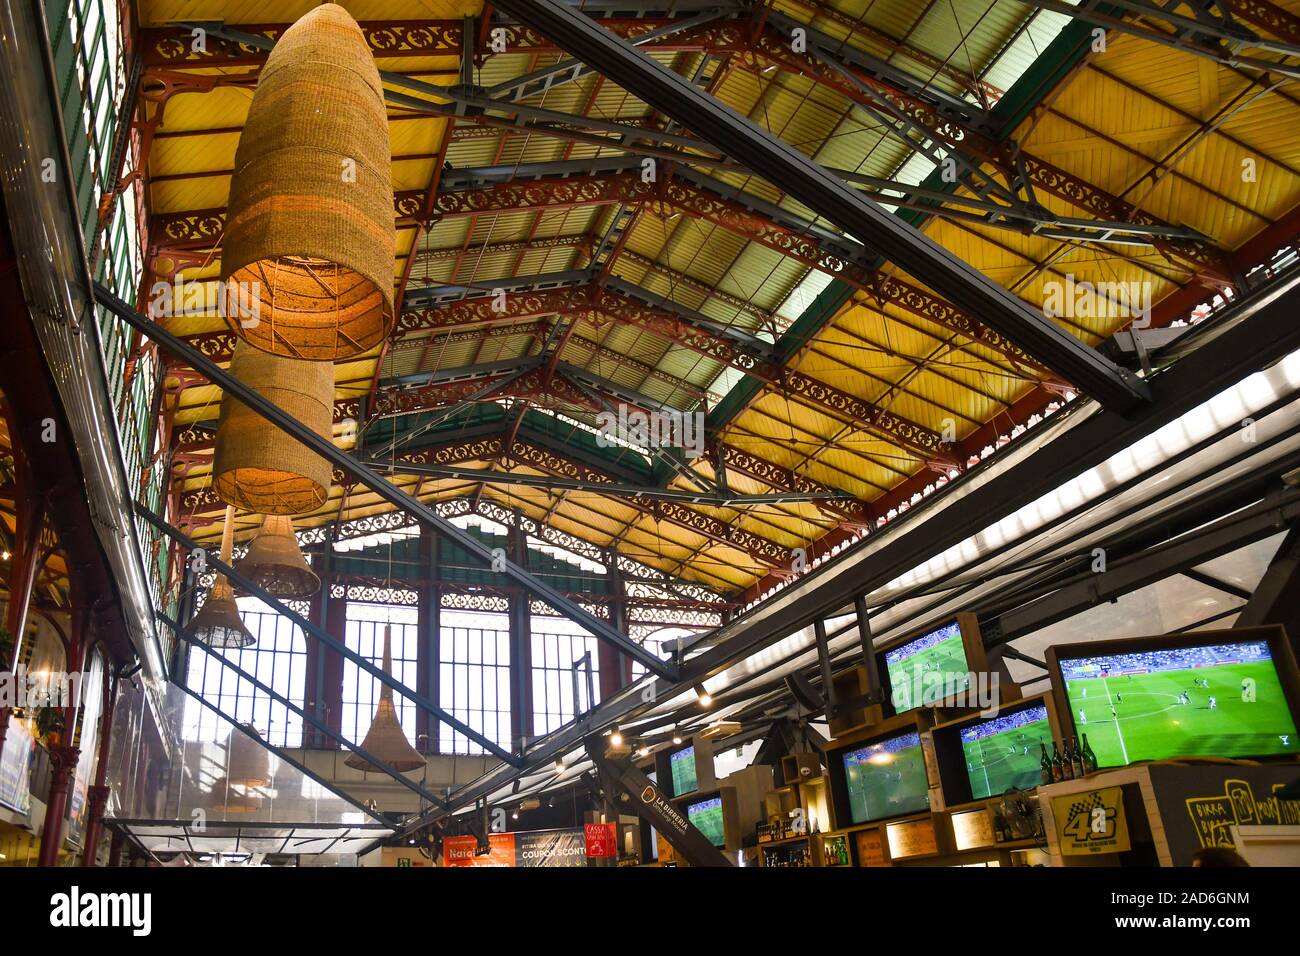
(275,563)
(248,763)
(255,465)
(218,623)
(310,233)
(385,738)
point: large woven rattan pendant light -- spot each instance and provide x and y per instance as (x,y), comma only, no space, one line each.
(218,623)
(227,797)
(385,738)
(310,233)
(256,466)
(275,562)
(248,762)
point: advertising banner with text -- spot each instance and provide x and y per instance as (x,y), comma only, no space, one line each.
(549,848)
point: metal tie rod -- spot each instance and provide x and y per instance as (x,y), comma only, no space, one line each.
(304,714)
(393,495)
(326,638)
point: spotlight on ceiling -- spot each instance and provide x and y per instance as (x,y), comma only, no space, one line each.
(702,696)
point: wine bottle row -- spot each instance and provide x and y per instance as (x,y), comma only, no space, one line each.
(1067,761)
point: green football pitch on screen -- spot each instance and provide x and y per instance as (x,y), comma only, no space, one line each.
(683,767)
(1006,760)
(1169,713)
(910,674)
(886,782)
(707,818)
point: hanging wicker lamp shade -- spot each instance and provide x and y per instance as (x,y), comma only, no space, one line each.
(256,466)
(218,623)
(385,738)
(226,798)
(276,563)
(310,216)
(248,762)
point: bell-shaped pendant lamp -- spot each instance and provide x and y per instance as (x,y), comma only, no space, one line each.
(256,466)
(275,562)
(218,623)
(385,738)
(310,234)
(248,762)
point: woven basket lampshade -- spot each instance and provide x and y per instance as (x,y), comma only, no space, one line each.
(385,738)
(256,466)
(225,797)
(310,215)
(248,763)
(218,623)
(275,562)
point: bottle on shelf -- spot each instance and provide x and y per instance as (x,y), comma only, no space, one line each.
(1076,758)
(1045,765)
(1067,765)
(1058,768)
(1089,758)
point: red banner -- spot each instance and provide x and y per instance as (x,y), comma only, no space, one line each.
(459,851)
(601,839)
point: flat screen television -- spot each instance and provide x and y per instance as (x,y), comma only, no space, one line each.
(682,764)
(1210,693)
(706,816)
(886,778)
(933,668)
(1002,753)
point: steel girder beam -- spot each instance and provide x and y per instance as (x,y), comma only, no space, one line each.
(689,192)
(747,216)
(541,81)
(832,198)
(563,463)
(981,89)
(536,452)
(1267,16)
(1277,595)
(690,330)
(911,113)
(394,496)
(1267,334)
(174,46)
(649,802)
(757,221)
(903,98)
(1217,39)
(1135,571)
(785,483)
(615,489)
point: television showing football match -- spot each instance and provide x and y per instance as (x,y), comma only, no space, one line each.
(928,668)
(886,778)
(1002,753)
(682,763)
(1222,698)
(706,816)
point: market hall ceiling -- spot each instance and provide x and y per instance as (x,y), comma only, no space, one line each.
(563,250)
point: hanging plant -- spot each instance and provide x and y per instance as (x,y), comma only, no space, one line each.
(50,725)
